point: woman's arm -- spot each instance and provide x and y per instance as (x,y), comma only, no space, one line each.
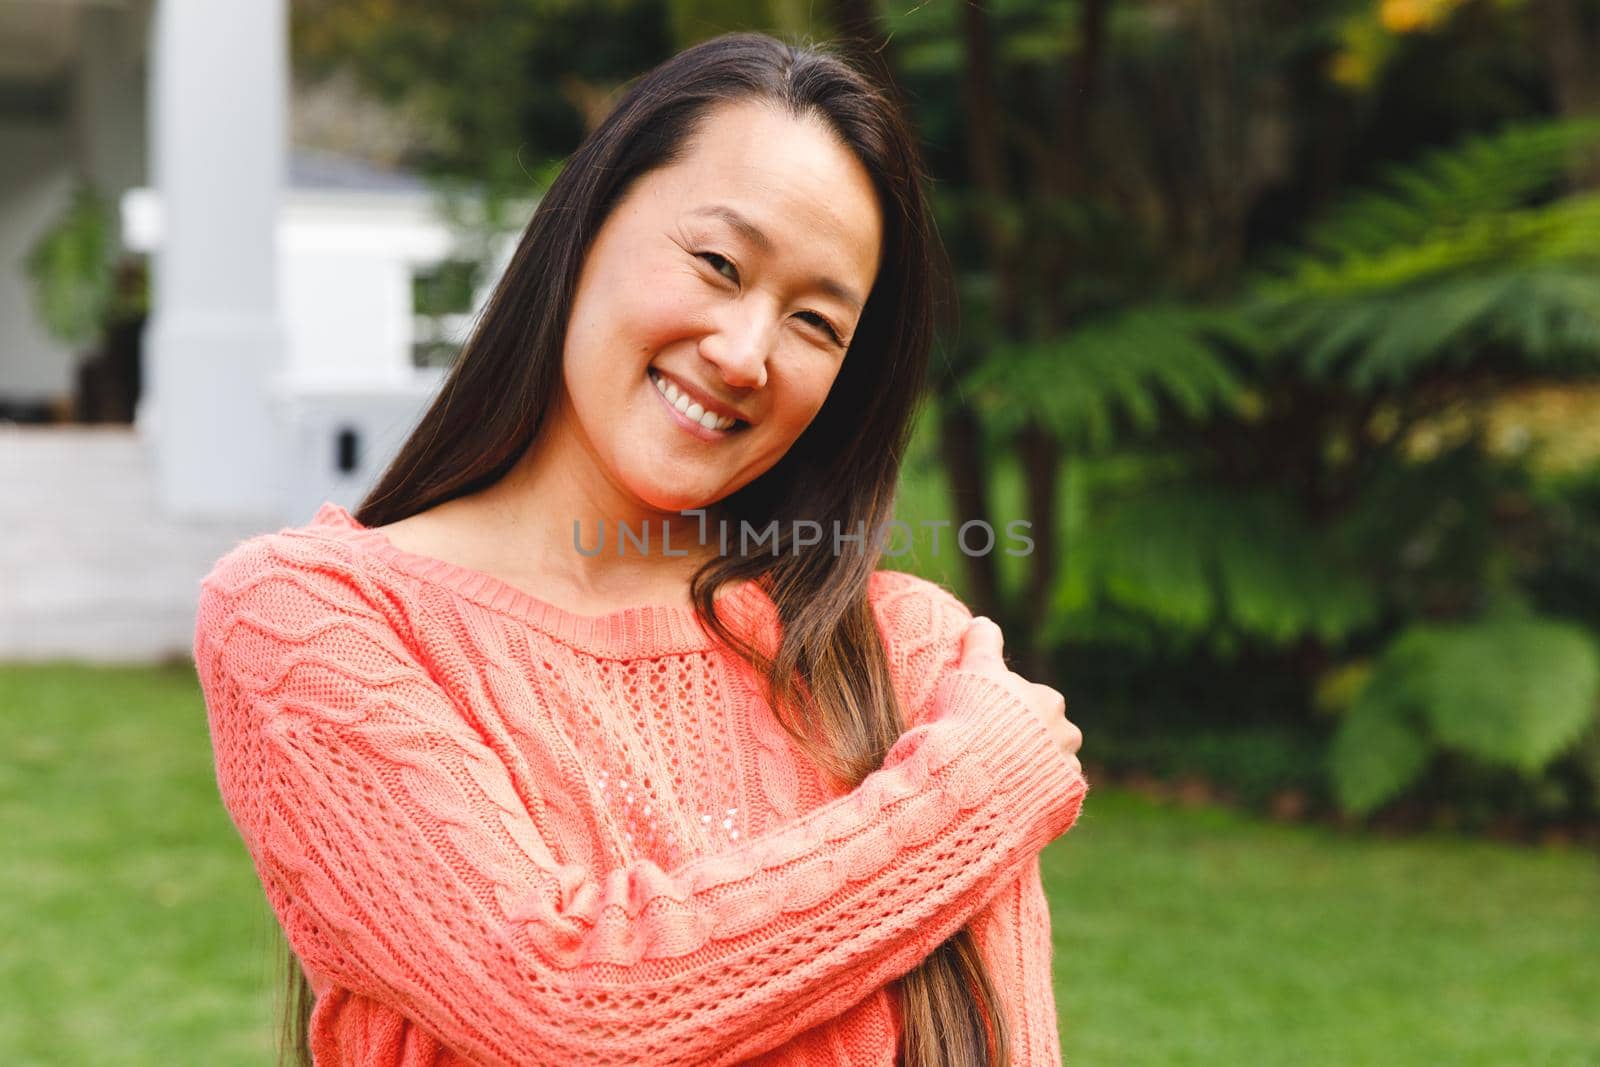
(403,865)
(923,624)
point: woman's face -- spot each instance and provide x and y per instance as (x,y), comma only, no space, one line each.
(731,281)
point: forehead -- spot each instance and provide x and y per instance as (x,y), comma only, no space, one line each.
(792,178)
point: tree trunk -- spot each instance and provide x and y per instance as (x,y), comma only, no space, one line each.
(984,123)
(1067,175)
(961,448)
(962,438)
(1569,34)
(1041,465)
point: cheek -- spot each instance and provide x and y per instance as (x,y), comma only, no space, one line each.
(821,378)
(642,311)
(807,389)
(666,305)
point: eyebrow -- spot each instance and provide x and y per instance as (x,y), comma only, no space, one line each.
(758,237)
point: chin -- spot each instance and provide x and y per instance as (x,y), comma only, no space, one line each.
(663,499)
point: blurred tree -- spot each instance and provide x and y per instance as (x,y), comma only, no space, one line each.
(1472,271)
(1121,297)
(1569,31)
(1111,158)
(504,86)
(1230,453)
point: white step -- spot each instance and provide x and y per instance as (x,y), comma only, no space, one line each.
(90,567)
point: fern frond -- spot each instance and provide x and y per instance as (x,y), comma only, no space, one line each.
(1482,177)
(1119,372)
(1198,557)
(1514,691)
(1549,316)
(1378,751)
(1457,260)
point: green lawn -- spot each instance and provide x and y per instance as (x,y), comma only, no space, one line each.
(1209,937)
(135,932)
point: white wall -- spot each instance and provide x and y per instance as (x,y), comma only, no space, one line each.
(346,260)
(109,93)
(35,187)
(378,418)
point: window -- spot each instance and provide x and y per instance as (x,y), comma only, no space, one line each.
(442,304)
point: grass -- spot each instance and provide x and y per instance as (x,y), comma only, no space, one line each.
(1205,936)
(136,933)
(135,929)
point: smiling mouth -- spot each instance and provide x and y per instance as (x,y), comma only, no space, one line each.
(692,412)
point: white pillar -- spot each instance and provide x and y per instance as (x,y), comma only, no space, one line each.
(215,339)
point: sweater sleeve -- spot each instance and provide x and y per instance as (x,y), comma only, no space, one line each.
(402,864)
(923,623)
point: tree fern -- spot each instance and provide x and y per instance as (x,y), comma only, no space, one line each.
(1455,262)
(1378,752)
(1197,557)
(1510,690)
(1483,177)
(1547,315)
(1119,372)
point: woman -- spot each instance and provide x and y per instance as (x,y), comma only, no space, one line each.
(515,800)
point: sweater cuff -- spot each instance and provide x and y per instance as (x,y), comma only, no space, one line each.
(1017,761)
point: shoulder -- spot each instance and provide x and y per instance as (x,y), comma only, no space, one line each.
(915,604)
(921,622)
(307,554)
(284,582)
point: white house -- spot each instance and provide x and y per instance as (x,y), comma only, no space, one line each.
(278,355)
(72,104)
(350,241)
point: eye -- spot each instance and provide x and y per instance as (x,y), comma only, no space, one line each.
(826,326)
(717,262)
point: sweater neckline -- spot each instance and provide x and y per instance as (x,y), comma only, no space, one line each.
(633,631)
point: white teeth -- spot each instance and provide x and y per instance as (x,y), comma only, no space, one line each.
(692,410)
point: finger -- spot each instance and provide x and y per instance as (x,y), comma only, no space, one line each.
(981,643)
(1051,697)
(1074,736)
(986,632)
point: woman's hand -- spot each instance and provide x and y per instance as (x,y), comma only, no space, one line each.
(981,652)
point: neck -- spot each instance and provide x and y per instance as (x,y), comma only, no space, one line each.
(561,513)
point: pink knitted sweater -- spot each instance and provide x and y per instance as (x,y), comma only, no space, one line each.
(496,832)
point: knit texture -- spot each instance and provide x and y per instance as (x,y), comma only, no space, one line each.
(497,832)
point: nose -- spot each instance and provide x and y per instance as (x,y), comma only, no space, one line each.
(740,347)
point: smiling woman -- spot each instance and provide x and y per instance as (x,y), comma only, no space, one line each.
(513,803)
(735,307)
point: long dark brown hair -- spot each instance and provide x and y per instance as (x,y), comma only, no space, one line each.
(828,680)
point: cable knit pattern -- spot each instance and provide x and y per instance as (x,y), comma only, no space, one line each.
(496,832)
